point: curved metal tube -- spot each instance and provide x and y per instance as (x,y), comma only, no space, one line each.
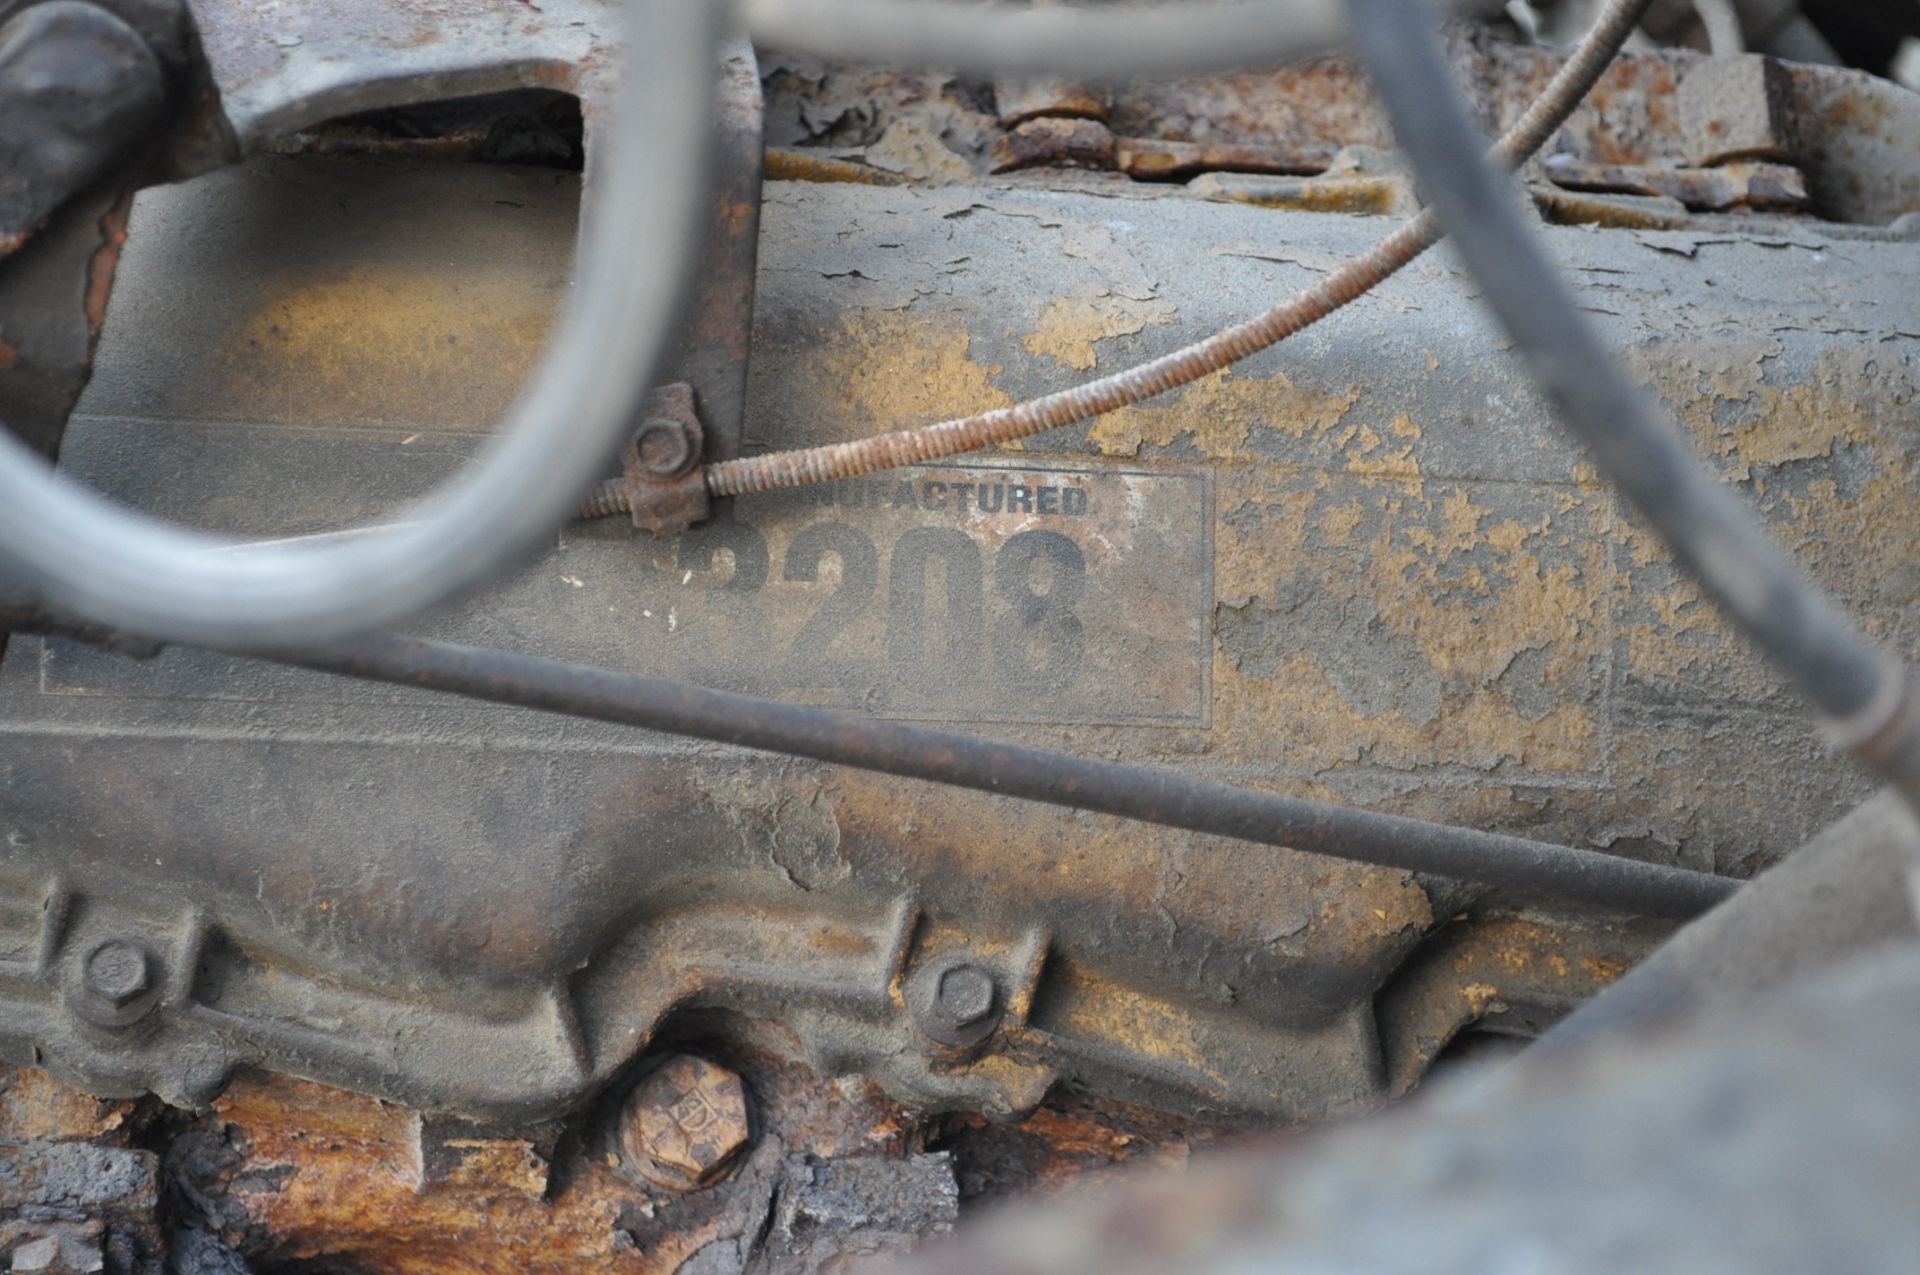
(120,568)
(1102,41)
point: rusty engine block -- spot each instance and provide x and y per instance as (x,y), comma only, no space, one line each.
(350,976)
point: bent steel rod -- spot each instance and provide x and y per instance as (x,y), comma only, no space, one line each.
(1131,792)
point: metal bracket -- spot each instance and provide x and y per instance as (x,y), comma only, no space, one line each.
(664,482)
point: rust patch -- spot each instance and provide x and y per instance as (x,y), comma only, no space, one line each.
(1069,326)
(1063,1142)
(371,342)
(1054,142)
(1363,195)
(34,1106)
(1450,635)
(794,164)
(1613,212)
(889,368)
(102,264)
(289,1172)
(1217,412)
(1786,444)
(334,1176)
(1157,159)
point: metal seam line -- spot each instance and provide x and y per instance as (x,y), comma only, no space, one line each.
(1133,792)
(1140,793)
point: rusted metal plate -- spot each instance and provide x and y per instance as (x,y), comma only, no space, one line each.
(297,65)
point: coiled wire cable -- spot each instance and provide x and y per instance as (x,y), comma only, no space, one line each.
(122,569)
(1108,393)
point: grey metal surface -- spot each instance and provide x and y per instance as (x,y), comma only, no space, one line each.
(474,907)
(286,66)
(1851,890)
(1772,1136)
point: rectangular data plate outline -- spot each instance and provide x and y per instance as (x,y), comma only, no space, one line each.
(125,684)
(1202,656)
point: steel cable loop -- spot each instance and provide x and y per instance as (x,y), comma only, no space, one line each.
(122,569)
(1351,281)
(1865,694)
(1104,41)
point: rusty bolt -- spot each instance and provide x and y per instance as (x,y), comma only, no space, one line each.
(118,972)
(684,1126)
(661,482)
(958,1005)
(664,446)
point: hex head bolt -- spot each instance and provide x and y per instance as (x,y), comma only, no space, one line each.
(684,1126)
(957,1005)
(117,984)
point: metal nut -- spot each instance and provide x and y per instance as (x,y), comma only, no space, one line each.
(684,1126)
(662,484)
(118,972)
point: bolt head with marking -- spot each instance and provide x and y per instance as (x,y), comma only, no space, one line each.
(684,1126)
(119,972)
